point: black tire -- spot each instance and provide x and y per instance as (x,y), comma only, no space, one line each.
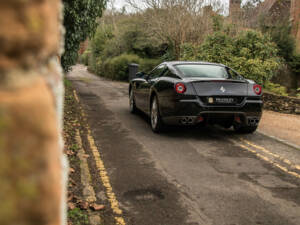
(132,106)
(244,129)
(155,118)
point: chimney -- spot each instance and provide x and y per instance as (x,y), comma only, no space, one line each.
(234,7)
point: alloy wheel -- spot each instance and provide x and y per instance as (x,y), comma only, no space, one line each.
(131,101)
(154,114)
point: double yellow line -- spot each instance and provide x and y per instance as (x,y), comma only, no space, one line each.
(253,148)
(114,204)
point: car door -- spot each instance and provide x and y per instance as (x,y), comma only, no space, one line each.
(136,85)
(146,85)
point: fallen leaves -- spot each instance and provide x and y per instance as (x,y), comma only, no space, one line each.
(71,205)
(96,207)
(84,205)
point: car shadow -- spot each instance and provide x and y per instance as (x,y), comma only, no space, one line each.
(201,131)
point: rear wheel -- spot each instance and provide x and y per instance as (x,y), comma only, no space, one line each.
(132,105)
(156,122)
(244,129)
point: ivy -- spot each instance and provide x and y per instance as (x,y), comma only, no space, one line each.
(80,21)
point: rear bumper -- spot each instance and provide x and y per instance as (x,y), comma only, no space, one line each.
(195,112)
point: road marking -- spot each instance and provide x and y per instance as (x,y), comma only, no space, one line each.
(86,180)
(102,172)
(286,170)
(294,166)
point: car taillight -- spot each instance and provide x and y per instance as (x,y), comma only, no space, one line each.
(180,88)
(257,89)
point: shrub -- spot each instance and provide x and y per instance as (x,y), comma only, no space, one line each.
(99,42)
(98,66)
(84,58)
(280,33)
(276,88)
(146,65)
(251,53)
(91,63)
(117,68)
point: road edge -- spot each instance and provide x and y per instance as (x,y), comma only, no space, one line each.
(282,141)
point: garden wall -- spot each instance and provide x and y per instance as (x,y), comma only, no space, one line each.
(281,104)
(31,105)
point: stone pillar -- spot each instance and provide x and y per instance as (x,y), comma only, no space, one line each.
(32,165)
(295,18)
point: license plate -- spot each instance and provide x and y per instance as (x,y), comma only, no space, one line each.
(225,100)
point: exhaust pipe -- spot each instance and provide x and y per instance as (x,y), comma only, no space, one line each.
(253,121)
(187,120)
(183,121)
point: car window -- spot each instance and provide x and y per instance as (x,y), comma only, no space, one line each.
(234,75)
(168,73)
(203,71)
(157,72)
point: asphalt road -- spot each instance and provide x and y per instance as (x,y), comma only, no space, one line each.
(188,176)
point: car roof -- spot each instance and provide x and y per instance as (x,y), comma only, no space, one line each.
(173,63)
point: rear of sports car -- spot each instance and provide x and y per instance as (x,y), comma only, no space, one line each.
(227,102)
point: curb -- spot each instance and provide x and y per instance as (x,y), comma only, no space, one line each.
(297,147)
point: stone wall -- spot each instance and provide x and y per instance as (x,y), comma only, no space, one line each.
(31,94)
(281,103)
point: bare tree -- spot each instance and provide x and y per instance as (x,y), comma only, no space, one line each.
(177,21)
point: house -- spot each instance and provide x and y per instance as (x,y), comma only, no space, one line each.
(295,18)
(275,10)
(271,11)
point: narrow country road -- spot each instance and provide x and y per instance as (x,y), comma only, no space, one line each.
(187,176)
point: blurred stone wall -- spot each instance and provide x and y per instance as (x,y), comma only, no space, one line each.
(281,104)
(32,165)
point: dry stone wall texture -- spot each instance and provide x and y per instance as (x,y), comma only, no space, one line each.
(281,104)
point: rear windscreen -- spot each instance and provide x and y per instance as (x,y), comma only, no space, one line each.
(207,71)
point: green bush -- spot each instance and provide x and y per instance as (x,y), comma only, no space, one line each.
(100,40)
(91,63)
(84,58)
(298,93)
(276,88)
(251,53)
(78,217)
(116,68)
(146,65)
(280,33)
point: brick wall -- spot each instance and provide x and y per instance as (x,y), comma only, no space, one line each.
(31,92)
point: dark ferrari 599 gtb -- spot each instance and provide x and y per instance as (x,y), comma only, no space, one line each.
(190,93)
